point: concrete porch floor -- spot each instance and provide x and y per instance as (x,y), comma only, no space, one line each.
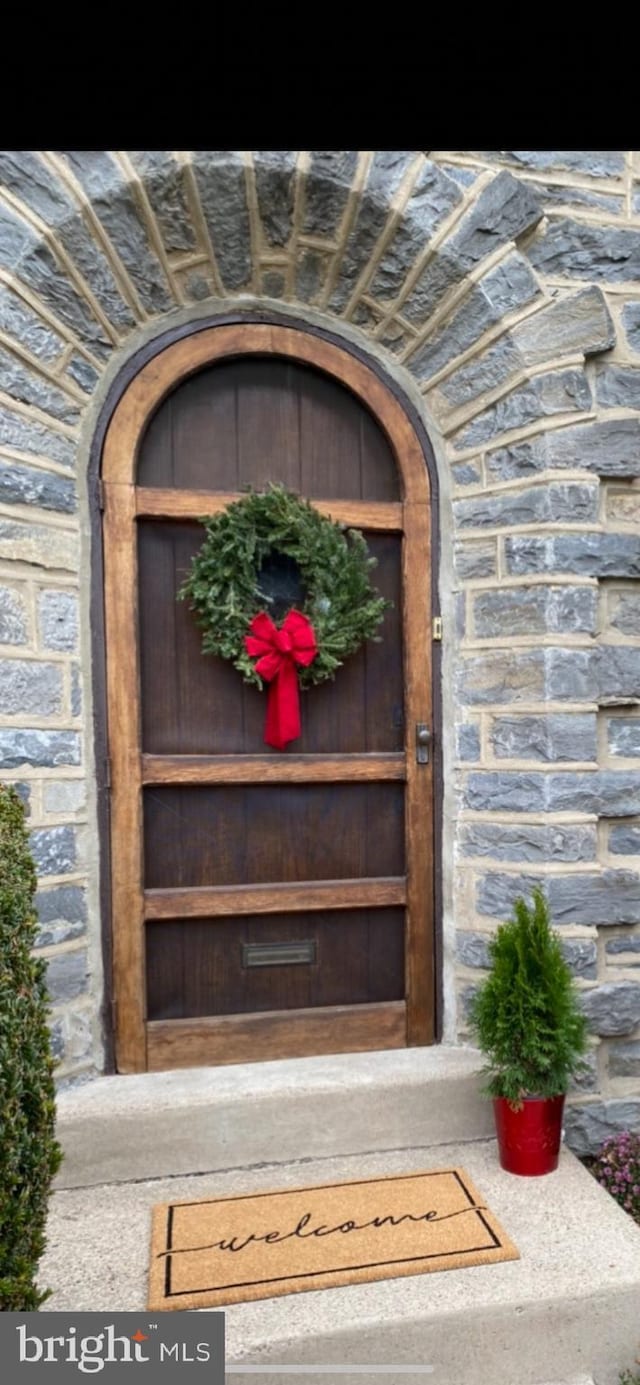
(568,1310)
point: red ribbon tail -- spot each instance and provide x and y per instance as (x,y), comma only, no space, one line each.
(282,722)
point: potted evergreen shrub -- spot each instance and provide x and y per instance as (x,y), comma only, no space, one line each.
(29,1154)
(530,1027)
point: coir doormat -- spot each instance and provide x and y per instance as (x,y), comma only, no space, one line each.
(229,1249)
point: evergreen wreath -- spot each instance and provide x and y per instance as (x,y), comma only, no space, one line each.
(223,585)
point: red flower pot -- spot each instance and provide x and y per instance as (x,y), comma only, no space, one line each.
(529,1139)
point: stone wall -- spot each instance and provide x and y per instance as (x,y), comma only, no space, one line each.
(502,290)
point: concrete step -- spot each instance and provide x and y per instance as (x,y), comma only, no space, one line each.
(570,1307)
(194,1120)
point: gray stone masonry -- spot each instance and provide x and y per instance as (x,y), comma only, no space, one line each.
(501,290)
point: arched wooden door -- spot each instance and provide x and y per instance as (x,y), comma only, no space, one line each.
(265,904)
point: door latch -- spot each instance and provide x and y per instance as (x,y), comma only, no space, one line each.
(423,741)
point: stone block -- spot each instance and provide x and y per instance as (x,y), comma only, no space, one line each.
(113,200)
(624,950)
(63,795)
(507,287)
(502,675)
(623,735)
(71,1037)
(82,373)
(624,1060)
(518,461)
(583,555)
(543,396)
(528,842)
(559,502)
(45,749)
(433,197)
(550,738)
(388,168)
(468,741)
(76,690)
(220,175)
(27,686)
(328,183)
(164,184)
(581,956)
(617,673)
(609,793)
(472,949)
(29,388)
(41,545)
(535,610)
(577,322)
(584,250)
(608,448)
(571,675)
(631,324)
(27,485)
(606,899)
(67,976)
(475,559)
(624,841)
(22,323)
(13,617)
(493,792)
(275,187)
(23,251)
(618,386)
(495,893)
(61,904)
(588,1126)
(58,619)
(25,433)
(467,474)
(54,850)
(596,163)
(613,1008)
(622,506)
(624,612)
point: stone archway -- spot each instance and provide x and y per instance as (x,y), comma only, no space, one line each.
(446,282)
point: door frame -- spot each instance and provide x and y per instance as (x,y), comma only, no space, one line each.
(146,379)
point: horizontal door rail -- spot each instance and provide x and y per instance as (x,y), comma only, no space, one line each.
(179,504)
(271,769)
(276,1034)
(228,900)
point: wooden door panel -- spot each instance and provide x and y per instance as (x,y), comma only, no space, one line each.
(220,845)
(197,704)
(237,835)
(245,423)
(198,967)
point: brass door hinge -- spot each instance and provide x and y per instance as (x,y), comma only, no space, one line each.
(436,630)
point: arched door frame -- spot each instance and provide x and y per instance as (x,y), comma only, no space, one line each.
(139,396)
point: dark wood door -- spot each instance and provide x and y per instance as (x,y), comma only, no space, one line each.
(282,902)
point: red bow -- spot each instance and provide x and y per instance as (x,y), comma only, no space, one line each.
(278,652)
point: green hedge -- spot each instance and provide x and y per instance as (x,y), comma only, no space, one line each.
(29,1155)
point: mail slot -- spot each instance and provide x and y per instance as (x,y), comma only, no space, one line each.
(278,954)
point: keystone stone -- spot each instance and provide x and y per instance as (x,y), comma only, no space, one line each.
(54,850)
(27,686)
(624,736)
(559,392)
(220,176)
(58,619)
(67,976)
(624,1060)
(13,617)
(528,842)
(624,841)
(328,184)
(588,1126)
(548,738)
(275,172)
(45,749)
(536,610)
(613,1008)
(580,249)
